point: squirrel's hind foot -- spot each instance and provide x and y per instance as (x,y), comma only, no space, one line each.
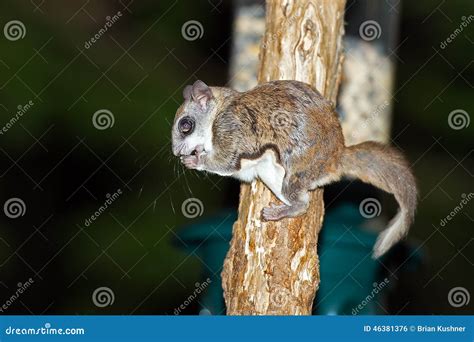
(275,212)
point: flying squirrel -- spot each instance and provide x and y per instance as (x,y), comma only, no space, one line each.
(286,134)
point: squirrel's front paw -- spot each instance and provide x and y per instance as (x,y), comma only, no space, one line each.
(274,212)
(191,161)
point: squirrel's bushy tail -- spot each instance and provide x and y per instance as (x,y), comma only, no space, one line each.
(387,169)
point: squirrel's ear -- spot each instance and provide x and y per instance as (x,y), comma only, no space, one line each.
(201,93)
(187,92)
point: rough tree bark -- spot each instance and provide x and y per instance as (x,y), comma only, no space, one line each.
(273,268)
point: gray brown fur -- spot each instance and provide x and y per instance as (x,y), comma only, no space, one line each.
(294,121)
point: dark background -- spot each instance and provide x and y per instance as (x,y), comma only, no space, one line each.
(62,167)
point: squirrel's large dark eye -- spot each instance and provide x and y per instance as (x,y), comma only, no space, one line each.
(186,125)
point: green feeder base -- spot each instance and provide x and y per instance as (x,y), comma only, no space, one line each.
(351,281)
(210,239)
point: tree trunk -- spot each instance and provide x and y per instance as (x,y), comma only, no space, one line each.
(272,268)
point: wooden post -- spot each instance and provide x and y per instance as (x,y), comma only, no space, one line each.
(272,268)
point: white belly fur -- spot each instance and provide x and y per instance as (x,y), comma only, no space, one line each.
(267,169)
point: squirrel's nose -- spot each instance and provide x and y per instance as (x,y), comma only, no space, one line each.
(198,149)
